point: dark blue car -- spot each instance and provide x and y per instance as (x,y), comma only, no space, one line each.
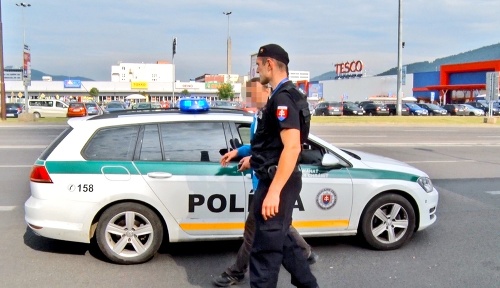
(13,109)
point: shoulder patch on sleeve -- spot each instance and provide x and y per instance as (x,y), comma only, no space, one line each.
(282,112)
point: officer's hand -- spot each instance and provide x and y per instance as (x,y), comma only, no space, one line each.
(270,206)
(244,163)
(227,157)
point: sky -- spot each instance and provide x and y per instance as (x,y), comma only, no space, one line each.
(85,38)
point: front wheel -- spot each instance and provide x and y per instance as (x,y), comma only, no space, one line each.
(129,233)
(388,222)
(37,115)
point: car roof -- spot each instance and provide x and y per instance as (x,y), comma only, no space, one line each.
(126,117)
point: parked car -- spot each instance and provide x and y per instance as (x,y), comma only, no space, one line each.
(376,109)
(148,105)
(416,110)
(12,110)
(76,109)
(452,109)
(405,111)
(433,109)
(93,108)
(483,105)
(352,109)
(114,106)
(47,108)
(328,109)
(468,110)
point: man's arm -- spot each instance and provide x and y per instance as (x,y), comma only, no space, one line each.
(286,165)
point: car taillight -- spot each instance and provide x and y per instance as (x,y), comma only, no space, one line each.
(40,174)
(378,108)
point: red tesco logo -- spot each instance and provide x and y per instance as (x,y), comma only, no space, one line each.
(349,67)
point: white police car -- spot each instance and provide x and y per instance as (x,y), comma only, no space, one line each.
(134,179)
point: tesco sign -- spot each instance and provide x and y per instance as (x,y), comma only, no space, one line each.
(349,67)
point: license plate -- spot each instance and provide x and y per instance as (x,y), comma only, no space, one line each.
(9,115)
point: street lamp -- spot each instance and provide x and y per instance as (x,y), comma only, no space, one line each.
(400,60)
(228,44)
(26,62)
(2,83)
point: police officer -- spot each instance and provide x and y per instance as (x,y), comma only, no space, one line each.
(276,146)
(235,274)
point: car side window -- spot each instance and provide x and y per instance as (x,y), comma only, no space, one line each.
(199,141)
(115,143)
(150,146)
(60,105)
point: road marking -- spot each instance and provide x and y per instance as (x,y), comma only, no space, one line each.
(416,144)
(7,208)
(493,192)
(440,161)
(350,135)
(23,146)
(16,166)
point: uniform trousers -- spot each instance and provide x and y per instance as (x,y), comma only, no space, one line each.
(273,243)
(240,267)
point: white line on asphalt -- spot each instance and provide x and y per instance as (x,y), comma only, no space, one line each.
(7,208)
(350,135)
(16,166)
(439,161)
(493,192)
(23,146)
(416,144)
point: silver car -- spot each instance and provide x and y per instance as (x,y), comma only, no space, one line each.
(469,110)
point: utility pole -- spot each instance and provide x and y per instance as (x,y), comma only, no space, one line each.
(228,45)
(400,59)
(2,83)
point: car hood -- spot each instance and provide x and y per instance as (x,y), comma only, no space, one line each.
(384,163)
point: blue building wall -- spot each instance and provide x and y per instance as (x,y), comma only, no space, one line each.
(468,78)
(423,79)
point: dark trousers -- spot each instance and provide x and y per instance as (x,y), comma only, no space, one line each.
(240,266)
(273,243)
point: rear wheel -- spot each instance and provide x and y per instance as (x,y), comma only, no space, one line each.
(129,233)
(37,115)
(388,222)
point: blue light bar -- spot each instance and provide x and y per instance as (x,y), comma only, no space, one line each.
(193,105)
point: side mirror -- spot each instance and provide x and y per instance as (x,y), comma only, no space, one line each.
(330,161)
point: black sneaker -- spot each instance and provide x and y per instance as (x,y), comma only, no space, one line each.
(226,280)
(313,257)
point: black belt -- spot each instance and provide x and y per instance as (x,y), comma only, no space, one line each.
(271,171)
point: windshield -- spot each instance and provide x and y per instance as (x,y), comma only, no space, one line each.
(433,106)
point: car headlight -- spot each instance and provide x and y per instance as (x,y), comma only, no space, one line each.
(426,184)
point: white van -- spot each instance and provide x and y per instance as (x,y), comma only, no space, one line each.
(47,108)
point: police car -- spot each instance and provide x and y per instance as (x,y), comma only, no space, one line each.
(133,180)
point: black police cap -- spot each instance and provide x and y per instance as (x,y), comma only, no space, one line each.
(274,51)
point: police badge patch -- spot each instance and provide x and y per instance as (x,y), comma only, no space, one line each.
(282,112)
(326,198)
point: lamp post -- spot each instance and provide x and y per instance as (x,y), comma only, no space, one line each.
(26,59)
(228,45)
(400,60)
(2,83)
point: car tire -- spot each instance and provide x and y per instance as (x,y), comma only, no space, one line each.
(379,218)
(130,225)
(36,115)
(370,113)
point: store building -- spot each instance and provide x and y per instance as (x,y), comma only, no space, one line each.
(454,83)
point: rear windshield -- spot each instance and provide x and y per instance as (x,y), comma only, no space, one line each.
(76,105)
(45,154)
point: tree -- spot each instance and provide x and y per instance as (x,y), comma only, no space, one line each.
(94,92)
(225,91)
(185,93)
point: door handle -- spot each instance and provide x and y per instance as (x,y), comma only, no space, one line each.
(159,175)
